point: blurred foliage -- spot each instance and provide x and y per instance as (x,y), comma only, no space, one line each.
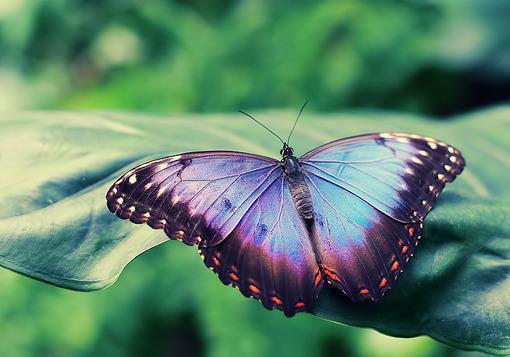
(222,55)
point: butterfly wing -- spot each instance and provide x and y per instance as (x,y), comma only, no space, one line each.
(269,256)
(370,195)
(399,174)
(361,250)
(237,208)
(197,198)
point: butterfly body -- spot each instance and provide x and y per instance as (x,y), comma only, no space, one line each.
(347,215)
(300,192)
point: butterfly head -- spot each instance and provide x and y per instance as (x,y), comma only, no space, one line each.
(286,151)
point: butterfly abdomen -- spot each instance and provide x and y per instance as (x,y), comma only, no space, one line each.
(298,188)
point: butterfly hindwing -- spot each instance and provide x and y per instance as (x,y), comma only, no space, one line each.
(269,256)
(197,198)
(362,250)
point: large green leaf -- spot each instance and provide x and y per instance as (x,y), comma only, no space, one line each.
(54,225)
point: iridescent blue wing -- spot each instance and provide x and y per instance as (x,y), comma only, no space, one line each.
(237,208)
(399,174)
(269,256)
(371,194)
(197,198)
(361,250)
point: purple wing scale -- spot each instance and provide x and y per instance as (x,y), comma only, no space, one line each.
(371,194)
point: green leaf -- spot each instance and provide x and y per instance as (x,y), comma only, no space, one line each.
(54,225)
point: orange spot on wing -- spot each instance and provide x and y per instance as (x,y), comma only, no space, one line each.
(383,283)
(318,279)
(332,275)
(216,261)
(300,304)
(276,300)
(254,289)
(405,248)
(218,254)
(364,291)
(234,277)
(394,266)
(411,231)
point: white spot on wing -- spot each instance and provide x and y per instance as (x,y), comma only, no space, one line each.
(416,160)
(148,185)
(440,176)
(132,179)
(409,170)
(120,200)
(432,145)
(162,189)
(453,159)
(447,167)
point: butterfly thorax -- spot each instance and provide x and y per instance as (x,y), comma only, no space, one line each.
(298,187)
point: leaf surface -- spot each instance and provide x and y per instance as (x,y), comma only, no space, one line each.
(55,227)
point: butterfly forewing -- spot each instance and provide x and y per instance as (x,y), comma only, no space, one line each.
(198,197)
(399,174)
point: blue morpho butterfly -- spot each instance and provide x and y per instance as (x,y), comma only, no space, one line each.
(347,214)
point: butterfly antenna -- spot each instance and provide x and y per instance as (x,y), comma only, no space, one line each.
(256,121)
(295,121)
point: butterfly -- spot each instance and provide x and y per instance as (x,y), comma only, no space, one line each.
(347,215)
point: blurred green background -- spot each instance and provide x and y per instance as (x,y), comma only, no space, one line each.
(170,56)
(427,57)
